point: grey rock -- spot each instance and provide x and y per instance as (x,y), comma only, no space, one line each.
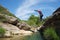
(24,26)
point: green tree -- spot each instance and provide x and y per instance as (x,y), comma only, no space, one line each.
(34,21)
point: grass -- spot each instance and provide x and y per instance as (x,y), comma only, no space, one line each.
(2,32)
(50,34)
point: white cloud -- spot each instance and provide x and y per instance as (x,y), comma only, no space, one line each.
(24,9)
(48,0)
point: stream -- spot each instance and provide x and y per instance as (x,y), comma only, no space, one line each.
(34,36)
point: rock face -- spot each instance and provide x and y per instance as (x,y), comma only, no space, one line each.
(14,21)
(13,29)
(12,24)
(9,19)
(53,21)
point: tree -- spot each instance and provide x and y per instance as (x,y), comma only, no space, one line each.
(34,21)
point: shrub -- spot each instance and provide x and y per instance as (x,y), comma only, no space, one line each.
(2,31)
(34,21)
(50,34)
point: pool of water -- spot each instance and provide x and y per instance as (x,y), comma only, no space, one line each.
(35,36)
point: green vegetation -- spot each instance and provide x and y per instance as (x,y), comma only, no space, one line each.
(34,21)
(50,34)
(2,31)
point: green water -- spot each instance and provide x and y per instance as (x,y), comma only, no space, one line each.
(35,36)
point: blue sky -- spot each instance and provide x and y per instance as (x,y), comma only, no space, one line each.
(24,8)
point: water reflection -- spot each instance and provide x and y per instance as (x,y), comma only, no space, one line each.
(35,36)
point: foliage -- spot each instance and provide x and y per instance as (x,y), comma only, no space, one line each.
(34,21)
(50,34)
(2,31)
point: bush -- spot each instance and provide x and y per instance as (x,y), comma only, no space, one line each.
(34,21)
(2,31)
(50,34)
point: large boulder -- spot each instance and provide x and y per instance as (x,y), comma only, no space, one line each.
(24,26)
(11,19)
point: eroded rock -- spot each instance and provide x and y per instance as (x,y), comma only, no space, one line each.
(11,19)
(24,26)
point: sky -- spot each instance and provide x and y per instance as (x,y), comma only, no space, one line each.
(23,9)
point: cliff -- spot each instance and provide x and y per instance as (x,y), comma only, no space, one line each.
(12,24)
(53,21)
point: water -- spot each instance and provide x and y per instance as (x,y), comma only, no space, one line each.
(35,36)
